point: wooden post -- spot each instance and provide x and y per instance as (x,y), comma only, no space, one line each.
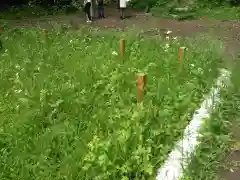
(122,47)
(180,55)
(141,84)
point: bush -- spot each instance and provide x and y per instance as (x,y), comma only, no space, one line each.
(141,4)
(168,4)
(234,2)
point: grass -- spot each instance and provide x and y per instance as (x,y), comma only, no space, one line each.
(217,136)
(221,13)
(68,103)
(216,13)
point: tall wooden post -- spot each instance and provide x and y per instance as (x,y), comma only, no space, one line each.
(141,84)
(122,47)
(180,55)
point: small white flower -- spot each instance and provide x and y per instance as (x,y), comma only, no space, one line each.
(200,70)
(17,107)
(18,91)
(17,76)
(167,37)
(175,38)
(114,53)
(167,46)
(192,65)
(168,32)
(17,66)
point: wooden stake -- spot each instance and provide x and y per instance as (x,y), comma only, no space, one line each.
(122,47)
(141,84)
(180,55)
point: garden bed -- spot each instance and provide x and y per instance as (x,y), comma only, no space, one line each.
(69,107)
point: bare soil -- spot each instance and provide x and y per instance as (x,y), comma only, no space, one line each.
(231,164)
(228,31)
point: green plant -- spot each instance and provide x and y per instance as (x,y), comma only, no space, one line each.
(68,103)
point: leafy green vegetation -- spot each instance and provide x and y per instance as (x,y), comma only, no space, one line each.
(219,13)
(68,103)
(185,9)
(26,11)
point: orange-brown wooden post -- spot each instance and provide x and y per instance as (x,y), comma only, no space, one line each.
(122,47)
(180,55)
(141,84)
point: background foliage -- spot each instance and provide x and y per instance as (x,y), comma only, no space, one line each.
(135,3)
(157,7)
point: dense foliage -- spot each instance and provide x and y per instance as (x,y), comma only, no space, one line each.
(196,3)
(68,103)
(135,3)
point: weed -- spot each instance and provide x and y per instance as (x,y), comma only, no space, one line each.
(217,136)
(68,103)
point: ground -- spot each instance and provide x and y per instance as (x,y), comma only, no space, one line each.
(228,31)
(231,164)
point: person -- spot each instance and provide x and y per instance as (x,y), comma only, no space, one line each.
(123,5)
(118,4)
(100,4)
(87,10)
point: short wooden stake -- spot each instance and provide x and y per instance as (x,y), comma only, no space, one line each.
(122,47)
(180,55)
(141,84)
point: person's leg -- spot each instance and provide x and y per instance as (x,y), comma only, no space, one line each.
(102,10)
(88,11)
(122,13)
(85,12)
(118,4)
(99,12)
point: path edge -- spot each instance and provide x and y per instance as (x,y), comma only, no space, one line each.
(180,156)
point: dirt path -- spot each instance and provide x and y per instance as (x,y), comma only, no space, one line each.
(228,31)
